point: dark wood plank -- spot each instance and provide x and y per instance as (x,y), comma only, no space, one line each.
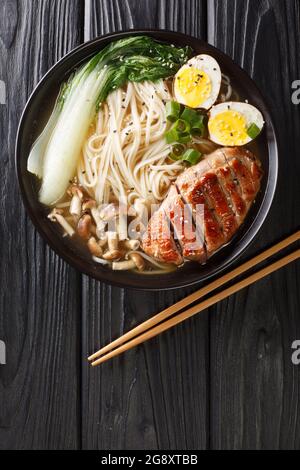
(154,396)
(39,295)
(254,386)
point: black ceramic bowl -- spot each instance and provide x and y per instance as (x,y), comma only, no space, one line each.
(35,116)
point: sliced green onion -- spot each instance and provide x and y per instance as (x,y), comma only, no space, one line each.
(173,110)
(181,125)
(192,156)
(184,137)
(174,136)
(253,130)
(196,120)
(178,149)
(173,156)
(198,127)
(189,115)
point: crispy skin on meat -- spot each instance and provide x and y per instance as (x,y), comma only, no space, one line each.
(180,215)
(212,231)
(218,201)
(158,241)
(225,185)
(246,169)
(233,193)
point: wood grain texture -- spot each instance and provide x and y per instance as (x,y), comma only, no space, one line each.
(223,380)
(39,295)
(155,396)
(254,385)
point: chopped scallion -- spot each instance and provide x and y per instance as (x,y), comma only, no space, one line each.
(189,115)
(253,130)
(178,149)
(173,109)
(173,135)
(191,156)
(181,125)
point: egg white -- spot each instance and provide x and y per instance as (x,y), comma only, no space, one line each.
(210,66)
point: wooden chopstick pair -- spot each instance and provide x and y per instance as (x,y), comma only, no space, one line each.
(156,325)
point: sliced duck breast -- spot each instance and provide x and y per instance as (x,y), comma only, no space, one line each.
(224,186)
(158,241)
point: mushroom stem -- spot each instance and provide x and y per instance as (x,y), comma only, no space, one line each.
(123,265)
(138,261)
(100,224)
(113,241)
(111,255)
(55,216)
(75,206)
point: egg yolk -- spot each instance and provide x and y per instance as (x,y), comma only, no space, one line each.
(194,86)
(229,128)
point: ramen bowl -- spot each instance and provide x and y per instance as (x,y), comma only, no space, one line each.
(34,118)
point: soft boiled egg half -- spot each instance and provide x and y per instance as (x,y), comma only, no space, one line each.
(233,123)
(197,83)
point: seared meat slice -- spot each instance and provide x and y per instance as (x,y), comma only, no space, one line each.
(213,234)
(158,241)
(218,201)
(246,170)
(225,185)
(180,215)
(233,192)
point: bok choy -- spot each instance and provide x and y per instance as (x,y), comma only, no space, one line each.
(54,156)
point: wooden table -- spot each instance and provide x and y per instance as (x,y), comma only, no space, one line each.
(224,379)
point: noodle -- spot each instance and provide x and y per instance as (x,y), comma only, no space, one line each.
(126,156)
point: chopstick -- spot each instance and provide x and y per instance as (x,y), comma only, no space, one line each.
(199,307)
(169,311)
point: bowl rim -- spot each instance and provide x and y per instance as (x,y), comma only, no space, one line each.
(248,237)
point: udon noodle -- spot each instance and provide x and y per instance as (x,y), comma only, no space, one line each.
(126,155)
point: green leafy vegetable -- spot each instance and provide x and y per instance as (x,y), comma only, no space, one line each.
(134,58)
